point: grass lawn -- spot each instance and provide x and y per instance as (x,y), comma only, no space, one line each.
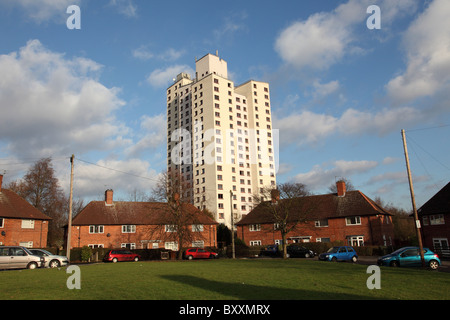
(252,279)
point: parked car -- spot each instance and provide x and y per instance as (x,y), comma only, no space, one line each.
(16,257)
(51,260)
(295,250)
(270,250)
(341,253)
(121,255)
(410,257)
(199,253)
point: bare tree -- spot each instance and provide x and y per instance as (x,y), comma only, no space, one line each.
(286,206)
(181,216)
(41,189)
(348,185)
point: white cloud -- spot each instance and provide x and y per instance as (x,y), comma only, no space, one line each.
(309,128)
(163,77)
(322,176)
(44,10)
(325,38)
(125,7)
(52,105)
(324,89)
(144,53)
(119,175)
(155,135)
(428,56)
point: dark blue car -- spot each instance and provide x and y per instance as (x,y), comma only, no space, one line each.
(410,257)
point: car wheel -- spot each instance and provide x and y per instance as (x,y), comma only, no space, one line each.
(433,264)
(334,259)
(307,255)
(190,257)
(354,259)
(32,265)
(136,259)
(394,264)
(54,264)
(114,260)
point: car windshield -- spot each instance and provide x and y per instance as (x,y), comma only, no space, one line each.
(333,250)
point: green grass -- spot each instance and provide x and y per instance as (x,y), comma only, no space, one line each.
(225,280)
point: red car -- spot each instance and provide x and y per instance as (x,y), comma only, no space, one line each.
(199,253)
(121,255)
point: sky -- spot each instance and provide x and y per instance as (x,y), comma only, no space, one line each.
(341,90)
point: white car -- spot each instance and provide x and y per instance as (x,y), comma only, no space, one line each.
(51,260)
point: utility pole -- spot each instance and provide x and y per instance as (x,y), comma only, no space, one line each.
(69,228)
(411,189)
(232,226)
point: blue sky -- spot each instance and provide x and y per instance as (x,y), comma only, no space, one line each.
(340,92)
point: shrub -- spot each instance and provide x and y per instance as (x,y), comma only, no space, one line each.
(86,254)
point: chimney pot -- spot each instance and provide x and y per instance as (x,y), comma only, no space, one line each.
(341,189)
(109,197)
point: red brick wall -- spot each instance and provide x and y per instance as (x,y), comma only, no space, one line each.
(15,234)
(144,234)
(435,231)
(372,228)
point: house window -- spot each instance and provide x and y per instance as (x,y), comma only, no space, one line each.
(437,219)
(128,245)
(96,229)
(255,243)
(28,244)
(170,228)
(356,241)
(95,246)
(171,246)
(27,224)
(197,228)
(198,244)
(321,223)
(255,227)
(350,221)
(2,222)
(323,240)
(128,228)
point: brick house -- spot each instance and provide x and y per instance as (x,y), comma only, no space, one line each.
(137,225)
(348,216)
(435,220)
(20,222)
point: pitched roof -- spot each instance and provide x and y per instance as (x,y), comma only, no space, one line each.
(136,213)
(439,203)
(327,206)
(14,206)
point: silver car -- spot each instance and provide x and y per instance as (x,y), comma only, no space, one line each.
(15,257)
(51,260)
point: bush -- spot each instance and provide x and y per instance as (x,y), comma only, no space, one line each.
(86,254)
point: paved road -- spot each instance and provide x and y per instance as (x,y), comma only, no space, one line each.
(445,266)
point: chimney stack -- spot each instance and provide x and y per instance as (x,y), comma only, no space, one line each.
(341,188)
(109,197)
(1,181)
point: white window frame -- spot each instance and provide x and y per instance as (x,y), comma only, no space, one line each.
(171,245)
(96,229)
(348,221)
(437,219)
(255,243)
(254,227)
(170,228)
(197,228)
(128,228)
(356,241)
(27,224)
(321,223)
